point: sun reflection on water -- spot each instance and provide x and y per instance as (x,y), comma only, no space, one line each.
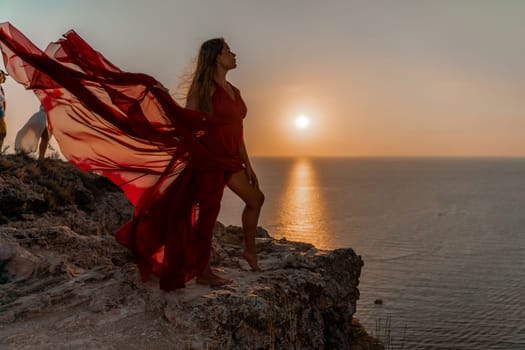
(302,207)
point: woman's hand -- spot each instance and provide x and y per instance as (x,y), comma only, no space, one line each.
(252,178)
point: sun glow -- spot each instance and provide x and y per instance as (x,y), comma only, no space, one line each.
(302,121)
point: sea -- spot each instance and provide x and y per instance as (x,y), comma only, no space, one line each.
(442,240)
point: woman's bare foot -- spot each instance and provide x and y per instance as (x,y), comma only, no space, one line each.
(252,260)
(211,279)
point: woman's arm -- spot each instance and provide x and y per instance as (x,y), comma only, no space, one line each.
(191,102)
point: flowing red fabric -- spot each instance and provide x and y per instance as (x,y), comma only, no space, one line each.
(121,125)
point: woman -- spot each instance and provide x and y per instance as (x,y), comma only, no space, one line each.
(123,126)
(211,93)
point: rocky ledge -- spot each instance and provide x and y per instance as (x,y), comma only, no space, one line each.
(66,284)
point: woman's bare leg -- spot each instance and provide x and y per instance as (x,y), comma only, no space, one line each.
(208,277)
(254,199)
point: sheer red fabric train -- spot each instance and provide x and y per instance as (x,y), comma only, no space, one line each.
(119,125)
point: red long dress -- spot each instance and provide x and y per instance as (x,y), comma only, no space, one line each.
(119,125)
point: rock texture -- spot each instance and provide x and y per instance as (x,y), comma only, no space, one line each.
(66,284)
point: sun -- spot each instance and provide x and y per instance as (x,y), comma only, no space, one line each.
(302,122)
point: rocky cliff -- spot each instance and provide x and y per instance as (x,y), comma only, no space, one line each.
(66,284)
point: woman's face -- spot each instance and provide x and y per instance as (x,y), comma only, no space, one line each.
(226,59)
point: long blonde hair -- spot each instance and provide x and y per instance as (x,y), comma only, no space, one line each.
(202,81)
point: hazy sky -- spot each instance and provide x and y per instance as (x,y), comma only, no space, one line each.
(376,78)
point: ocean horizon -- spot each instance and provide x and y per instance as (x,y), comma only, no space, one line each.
(442,239)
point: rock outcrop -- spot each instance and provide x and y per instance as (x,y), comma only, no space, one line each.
(66,284)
